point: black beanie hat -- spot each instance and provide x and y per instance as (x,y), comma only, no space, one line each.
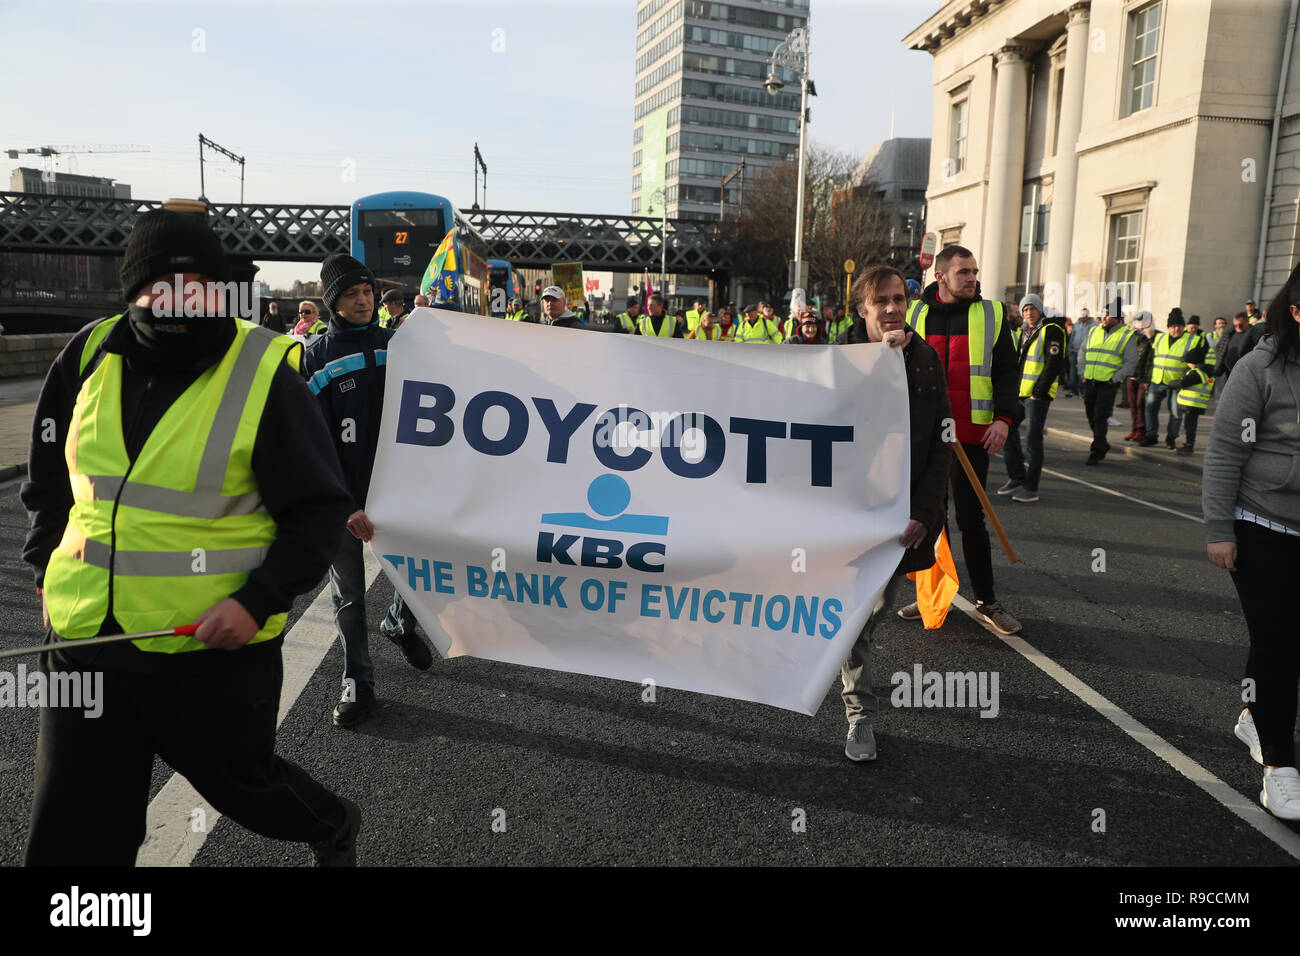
(1175,317)
(339,273)
(164,243)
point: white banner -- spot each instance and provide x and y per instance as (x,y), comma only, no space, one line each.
(707,516)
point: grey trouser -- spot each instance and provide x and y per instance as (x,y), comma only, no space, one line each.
(859,701)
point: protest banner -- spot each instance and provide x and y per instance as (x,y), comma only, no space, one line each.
(713,519)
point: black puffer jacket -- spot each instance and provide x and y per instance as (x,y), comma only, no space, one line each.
(928,407)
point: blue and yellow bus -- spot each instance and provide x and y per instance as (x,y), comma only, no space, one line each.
(396,234)
(506,285)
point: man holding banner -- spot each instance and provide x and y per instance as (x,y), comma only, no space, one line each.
(345,369)
(879,301)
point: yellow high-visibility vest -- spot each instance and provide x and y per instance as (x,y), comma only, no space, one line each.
(180,528)
(1171,358)
(666,329)
(1103,354)
(764,331)
(1198,395)
(701,333)
(1034,363)
(984,325)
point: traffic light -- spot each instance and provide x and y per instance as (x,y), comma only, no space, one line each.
(537,287)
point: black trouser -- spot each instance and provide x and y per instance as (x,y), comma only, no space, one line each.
(1190,417)
(1265,581)
(975,546)
(1098,403)
(215,729)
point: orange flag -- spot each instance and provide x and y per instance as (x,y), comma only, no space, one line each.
(937,585)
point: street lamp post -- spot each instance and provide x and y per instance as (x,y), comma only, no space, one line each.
(793,54)
(663,236)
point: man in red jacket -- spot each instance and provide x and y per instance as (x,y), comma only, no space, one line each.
(973,338)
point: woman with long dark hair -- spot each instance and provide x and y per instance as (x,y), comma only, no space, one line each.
(1251,501)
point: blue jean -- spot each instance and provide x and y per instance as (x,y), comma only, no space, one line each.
(1158,395)
(1019,468)
(348,595)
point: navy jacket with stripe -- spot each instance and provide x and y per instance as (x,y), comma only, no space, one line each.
(344,369)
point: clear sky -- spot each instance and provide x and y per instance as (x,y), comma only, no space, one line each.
(333,100)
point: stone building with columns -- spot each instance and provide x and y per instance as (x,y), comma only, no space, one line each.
(1086,150)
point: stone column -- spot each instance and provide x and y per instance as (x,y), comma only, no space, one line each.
(1006,173)
(1060,234)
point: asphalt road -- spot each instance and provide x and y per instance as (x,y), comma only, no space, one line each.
(582,771)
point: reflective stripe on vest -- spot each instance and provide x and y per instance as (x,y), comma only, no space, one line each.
(1034,363)
(666,329)
(627,321)
(1198,396)
(692,320)
(984,325)
(1171,359)
(178,529)
(1103,355)
(761,331)
(712,334)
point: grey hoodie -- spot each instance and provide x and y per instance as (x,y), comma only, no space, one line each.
(1253,459)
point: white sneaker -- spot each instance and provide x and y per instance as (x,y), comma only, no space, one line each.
(1246,733)
(1281,793)
(1112,422)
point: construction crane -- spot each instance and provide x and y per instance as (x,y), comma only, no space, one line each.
(50,154)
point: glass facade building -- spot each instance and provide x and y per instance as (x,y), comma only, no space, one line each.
(699,104)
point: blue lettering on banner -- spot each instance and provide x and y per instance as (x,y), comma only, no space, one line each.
(418,573)
(812,616)
(424,419)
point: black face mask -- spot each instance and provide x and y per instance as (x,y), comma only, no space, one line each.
(180,343)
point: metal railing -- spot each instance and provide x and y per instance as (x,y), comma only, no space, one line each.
(34,222)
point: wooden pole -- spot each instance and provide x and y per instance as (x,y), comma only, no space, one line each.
(985,503)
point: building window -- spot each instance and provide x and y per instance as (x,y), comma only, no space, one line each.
(957,155)
(1125,252)
(950,237)
(1144,27)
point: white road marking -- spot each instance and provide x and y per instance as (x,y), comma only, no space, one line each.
(170,837)
(1120,494)
(1244,807)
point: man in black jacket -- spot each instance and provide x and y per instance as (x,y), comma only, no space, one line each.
(344,369)
(1042,356)
(879,299)
(165,420)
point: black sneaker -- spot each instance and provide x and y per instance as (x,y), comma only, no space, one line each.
(1148,442)
(341,849)
(1171,444)
(414,649)
(1092,460)
(1184,450)
(356,704)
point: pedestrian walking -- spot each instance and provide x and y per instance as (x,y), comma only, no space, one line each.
(191,480)
(1251,501)
(1108,359)
(1042,354)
